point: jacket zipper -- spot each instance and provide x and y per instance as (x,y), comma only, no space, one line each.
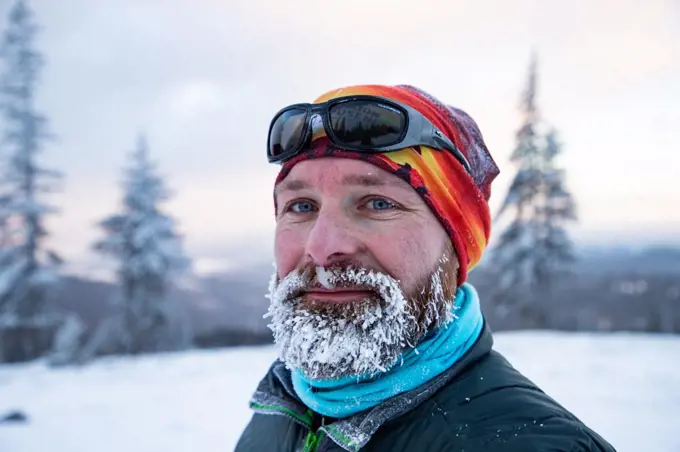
(312,440)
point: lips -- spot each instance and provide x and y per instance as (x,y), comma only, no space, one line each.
(339,295)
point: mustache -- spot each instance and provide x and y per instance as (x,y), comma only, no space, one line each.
(312,278)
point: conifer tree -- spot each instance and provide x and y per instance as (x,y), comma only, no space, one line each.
(27,268)
(534,249)
(143,240)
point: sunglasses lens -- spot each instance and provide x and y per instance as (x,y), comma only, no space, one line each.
(287,132)
(367,123)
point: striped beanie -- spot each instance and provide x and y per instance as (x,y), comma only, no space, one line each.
(457,198)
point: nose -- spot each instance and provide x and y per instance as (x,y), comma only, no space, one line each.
(332,239)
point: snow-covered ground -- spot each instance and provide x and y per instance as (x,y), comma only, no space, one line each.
(625,386)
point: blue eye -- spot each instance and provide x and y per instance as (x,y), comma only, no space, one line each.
(380,204)
(301,207)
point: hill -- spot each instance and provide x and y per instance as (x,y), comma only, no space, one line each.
(613,289)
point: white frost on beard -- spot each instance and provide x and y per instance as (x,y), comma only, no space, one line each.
(324,277)
(438,301)
(367,341)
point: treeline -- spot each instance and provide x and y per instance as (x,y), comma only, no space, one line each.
(140,237)
(633,301)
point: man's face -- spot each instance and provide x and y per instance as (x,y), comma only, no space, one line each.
(363,268)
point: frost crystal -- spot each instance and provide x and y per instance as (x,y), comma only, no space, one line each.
(336,340)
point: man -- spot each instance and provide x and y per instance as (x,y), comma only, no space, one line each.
(381,210)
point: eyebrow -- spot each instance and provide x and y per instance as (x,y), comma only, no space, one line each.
(362,180)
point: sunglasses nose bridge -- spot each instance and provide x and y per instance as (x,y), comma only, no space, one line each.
(316,122)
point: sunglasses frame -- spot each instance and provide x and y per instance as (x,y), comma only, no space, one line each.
(418,130)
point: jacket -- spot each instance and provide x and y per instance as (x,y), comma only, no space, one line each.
(479,404)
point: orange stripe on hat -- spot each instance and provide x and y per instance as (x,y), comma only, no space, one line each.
(458,199)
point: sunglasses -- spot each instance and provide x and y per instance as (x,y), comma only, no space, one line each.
(362,123)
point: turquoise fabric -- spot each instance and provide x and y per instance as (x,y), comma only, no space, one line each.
(436,353)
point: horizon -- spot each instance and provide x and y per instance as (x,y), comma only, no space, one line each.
(102,270)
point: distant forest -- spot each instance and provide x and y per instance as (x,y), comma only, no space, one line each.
(613,290)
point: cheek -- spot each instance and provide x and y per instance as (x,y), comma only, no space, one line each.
(289,246)
(407,254)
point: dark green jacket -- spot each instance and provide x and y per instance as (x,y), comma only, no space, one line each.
(480,404)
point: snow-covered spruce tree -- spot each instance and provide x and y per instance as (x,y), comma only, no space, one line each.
(27,269)
(534,248)
(148,250)
(554,248)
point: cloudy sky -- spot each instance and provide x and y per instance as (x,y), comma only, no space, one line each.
(202,78)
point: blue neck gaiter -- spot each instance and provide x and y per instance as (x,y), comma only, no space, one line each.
(436,353)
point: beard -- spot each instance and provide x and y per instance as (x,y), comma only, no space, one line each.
(332,340)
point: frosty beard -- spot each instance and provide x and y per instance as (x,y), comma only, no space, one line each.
(333,340)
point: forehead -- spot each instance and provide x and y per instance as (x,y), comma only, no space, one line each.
(332,174)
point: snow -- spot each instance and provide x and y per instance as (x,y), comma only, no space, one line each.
(625,386)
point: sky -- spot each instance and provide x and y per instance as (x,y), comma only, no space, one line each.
(202,79)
